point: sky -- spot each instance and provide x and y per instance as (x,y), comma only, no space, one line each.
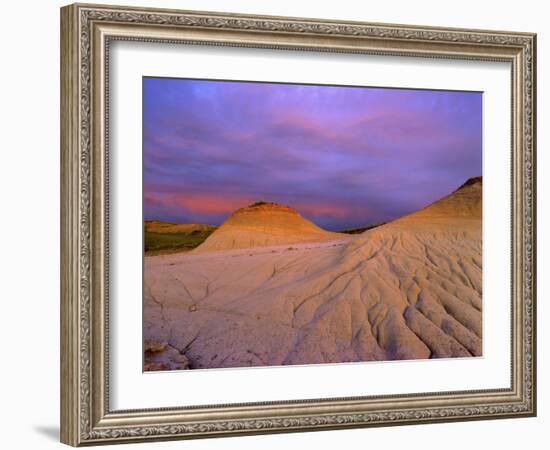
(342,156)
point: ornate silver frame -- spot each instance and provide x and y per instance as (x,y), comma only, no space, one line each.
(86,31)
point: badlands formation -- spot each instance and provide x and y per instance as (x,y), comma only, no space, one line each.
(264,224)
(156,226)
(270,288)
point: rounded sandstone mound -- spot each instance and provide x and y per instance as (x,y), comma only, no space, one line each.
(460,209)
(263,224)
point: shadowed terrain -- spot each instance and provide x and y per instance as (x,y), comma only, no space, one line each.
(269,287)
(165,237)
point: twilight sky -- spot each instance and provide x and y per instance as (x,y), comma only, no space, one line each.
(342,156)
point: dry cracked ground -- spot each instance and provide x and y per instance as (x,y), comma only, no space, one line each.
(410,289)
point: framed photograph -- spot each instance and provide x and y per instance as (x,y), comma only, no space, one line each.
(276,224)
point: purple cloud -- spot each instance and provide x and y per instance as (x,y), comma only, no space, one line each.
(343,156)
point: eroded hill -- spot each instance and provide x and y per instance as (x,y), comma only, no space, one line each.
(406,290)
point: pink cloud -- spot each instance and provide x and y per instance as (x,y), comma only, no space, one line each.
(202,203)
(320,209)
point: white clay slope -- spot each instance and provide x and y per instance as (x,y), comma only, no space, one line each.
(406,290)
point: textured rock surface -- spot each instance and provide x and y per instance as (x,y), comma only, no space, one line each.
(458,209)
(162,356)
(406,290)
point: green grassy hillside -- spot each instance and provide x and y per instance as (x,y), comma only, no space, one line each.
(173,238)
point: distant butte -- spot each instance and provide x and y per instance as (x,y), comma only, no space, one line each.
(264,224)
(458,209)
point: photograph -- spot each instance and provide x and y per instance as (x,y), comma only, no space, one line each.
(291,220)
(298,224)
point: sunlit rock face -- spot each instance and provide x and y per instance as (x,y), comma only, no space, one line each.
(264,224)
